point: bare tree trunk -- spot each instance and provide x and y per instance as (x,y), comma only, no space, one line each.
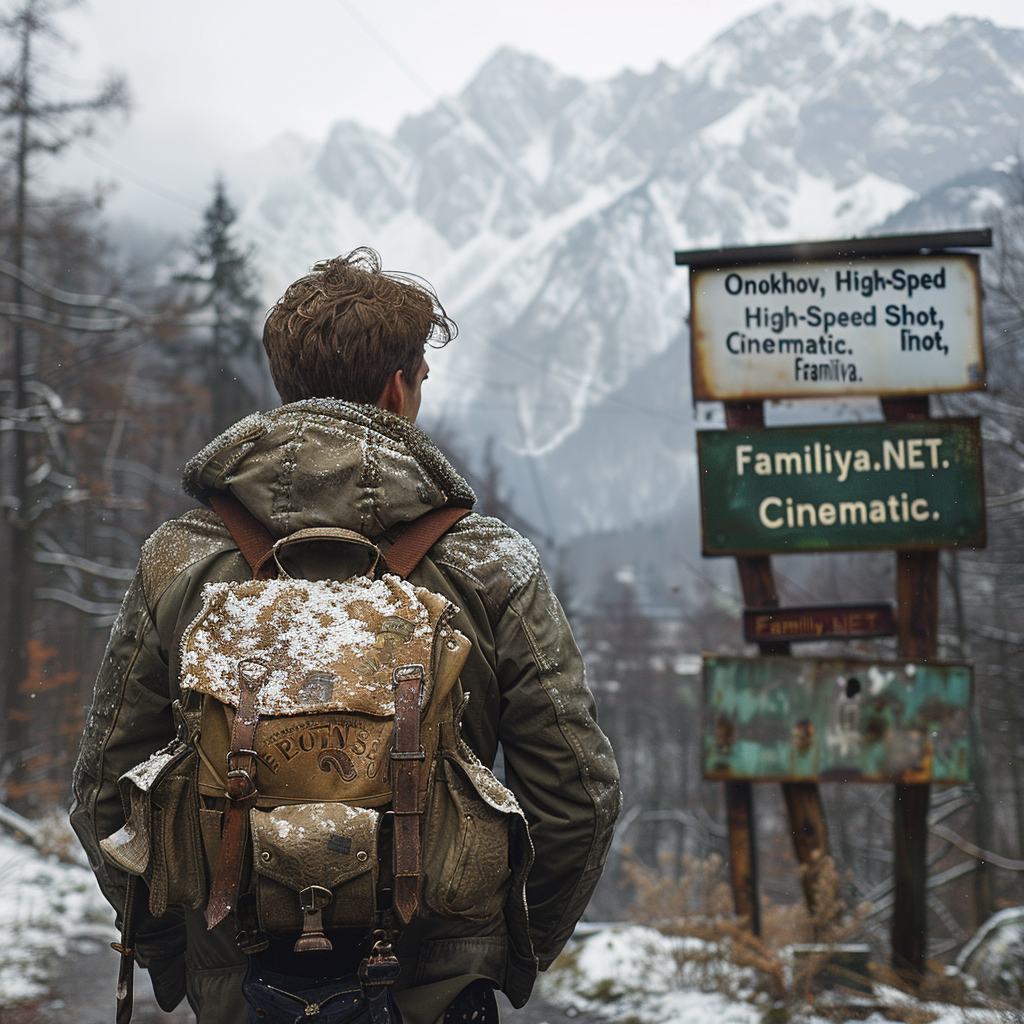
(19,578)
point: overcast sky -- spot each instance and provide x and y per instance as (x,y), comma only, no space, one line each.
(215,78)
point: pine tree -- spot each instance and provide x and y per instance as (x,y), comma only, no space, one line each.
(223,280)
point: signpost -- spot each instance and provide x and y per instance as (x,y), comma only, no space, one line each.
(898,317)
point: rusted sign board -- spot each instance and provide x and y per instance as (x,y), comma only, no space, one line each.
(816,719)
(869,326)
(818,622)
(911,484)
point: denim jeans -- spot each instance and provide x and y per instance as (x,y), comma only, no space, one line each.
(285,999)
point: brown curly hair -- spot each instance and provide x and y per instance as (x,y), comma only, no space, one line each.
(346,327)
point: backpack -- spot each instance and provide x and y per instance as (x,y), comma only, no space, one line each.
(319,779)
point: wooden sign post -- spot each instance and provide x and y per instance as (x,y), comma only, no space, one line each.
(898,317)
(917,596)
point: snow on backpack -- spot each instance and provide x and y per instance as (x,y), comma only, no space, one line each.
(319,779)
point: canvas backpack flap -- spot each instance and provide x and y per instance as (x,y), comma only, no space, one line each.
(331,846)
(326,645)
(328,702)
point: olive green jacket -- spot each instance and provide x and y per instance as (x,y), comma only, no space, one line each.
(332,463)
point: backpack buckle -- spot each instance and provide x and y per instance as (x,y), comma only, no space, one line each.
(408,673)
(236,773)
(312,900)
(381,967)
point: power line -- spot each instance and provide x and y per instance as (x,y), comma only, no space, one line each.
(137,179)
(386,46)
(467,123)
(424,87)
(569,377)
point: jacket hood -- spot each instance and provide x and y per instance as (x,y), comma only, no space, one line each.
(325,462)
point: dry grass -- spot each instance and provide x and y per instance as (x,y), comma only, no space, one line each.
(694,892)
(938,986)
(692,898)
(689,897)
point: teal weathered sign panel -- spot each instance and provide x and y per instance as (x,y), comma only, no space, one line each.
(818,719)
(910,484)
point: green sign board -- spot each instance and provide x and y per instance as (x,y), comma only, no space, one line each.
(817,719)
(910,484)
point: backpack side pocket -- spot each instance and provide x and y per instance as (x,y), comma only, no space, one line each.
(467,872)
(160,841)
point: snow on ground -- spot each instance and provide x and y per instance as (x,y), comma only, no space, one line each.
(45,907)
(632,972)
(628,973)
(615,973)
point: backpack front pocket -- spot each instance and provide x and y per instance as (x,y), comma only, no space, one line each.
(318,848)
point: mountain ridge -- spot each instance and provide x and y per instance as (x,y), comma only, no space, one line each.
(546,209)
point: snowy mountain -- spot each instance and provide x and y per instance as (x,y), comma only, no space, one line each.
(545,210)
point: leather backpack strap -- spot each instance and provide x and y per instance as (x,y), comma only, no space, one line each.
(257,545)
(419,537)
(406,757)
(251,536)
(242,795)
(126,970)
(407,754)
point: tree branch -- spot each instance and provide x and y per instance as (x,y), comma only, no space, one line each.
(109,572)
(82,604)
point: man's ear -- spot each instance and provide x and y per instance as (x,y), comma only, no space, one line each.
(392,397)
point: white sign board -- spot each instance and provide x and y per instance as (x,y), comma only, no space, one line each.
(877,326)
